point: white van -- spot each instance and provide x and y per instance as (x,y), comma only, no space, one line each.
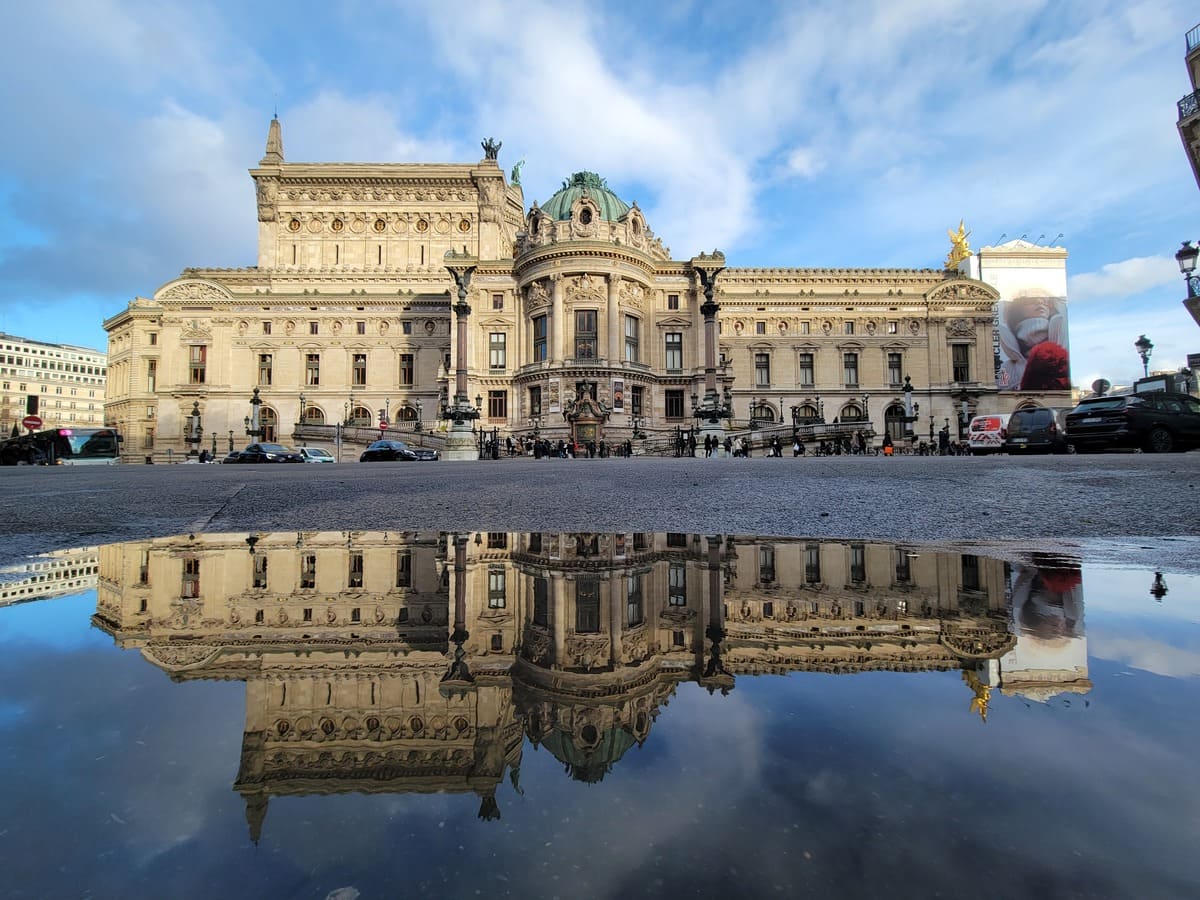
(986,433)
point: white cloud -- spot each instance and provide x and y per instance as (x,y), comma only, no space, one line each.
(1147,655)
(1127,278)
(804,162)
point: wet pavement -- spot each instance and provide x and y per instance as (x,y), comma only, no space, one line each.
(1123,505)
(355,713)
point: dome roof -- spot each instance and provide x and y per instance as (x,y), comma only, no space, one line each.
(612,207)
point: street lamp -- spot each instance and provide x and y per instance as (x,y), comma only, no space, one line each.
(214,449)
(865,399)
(195,430)
(230,440)
(301,408)
(1145,347)
(1186,257)
(1158,590)
(417,427)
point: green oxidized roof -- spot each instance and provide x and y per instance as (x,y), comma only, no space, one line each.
(612,207)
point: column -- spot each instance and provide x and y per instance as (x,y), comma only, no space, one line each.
(614,320)
(556,323)
(615,610)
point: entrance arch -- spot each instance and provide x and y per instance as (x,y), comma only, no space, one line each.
(893,421)
(268,422)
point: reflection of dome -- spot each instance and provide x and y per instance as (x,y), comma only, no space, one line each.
(591,762)
(611,207)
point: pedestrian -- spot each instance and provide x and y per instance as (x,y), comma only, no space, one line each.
(776,447)
(797,447)
(728,445)
(888,449)
(509,442)
(628,447)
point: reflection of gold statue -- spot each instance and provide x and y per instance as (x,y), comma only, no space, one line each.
(959,248)
(982,692)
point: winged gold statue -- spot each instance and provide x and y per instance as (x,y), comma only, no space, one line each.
(959,248)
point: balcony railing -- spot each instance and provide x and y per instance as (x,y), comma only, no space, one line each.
(1189,105)
(1193,39)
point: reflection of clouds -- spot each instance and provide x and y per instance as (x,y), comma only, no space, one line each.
(1149,655)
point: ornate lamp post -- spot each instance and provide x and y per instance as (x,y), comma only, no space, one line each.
(230,440)
(417,426)
(302,410)
(1144,347)
(865,399)
(214,446)
(195,430)
(460,443)
(1186,257)
(253,422)
(912,411)
(714,409)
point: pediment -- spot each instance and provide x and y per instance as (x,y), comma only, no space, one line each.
(192,289)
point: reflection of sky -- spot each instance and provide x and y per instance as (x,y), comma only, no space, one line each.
(882,784)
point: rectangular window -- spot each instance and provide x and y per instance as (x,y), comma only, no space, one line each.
(762,369)
(766,564)
(314,328)
(308,571)
(497,404)
(587,606)
(677,585)
(406,327)
(358,374)
(806,370)
(961,355)
(674,351)
(312,369)
(260,571)
(635,400)
(892,328)
(541,601)
(406,368)
(850,369)
(497,540)
(151,375)
(895,368)
(264,368)
(585,334)
(849,328)
(190,588)
(497,301)
(153,342)
(673,407)
(631,338)
(354,578)
(903,567)
(634,609)
(539,338)
(360,327)
(307,614)
(198,357)
(858,563)
(812,563)
(148,439)
(144,568)
(535,401)
(496,350)
(672,301)
(497,588)
(970,572)
(403,568)
(760,327)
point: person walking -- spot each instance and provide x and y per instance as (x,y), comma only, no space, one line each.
(797,447)
(728,445)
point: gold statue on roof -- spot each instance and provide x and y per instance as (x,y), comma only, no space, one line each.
(982,694)
(959,248)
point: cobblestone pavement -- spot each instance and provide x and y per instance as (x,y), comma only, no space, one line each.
(1125,507)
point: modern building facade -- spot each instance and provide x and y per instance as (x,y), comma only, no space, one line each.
(581,324)
(1189,104)
(63,385)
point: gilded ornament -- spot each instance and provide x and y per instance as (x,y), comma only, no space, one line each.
(959,248)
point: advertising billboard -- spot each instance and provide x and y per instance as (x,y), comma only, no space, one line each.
(1032,349)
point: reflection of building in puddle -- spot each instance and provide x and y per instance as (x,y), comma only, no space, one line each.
(50,575)
(1050,657)
(391,662)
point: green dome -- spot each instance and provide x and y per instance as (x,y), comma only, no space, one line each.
(612,207)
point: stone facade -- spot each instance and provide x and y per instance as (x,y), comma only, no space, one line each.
(574,641)
(350,306)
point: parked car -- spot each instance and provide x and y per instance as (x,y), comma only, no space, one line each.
(232,456)
(1157,422)
(316,455)
(1036,430)
(984,433)
(268,453)
(386,451)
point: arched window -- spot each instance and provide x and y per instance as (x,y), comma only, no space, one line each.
(361,416)
(852,412)
(314,416)
(893,421)
(763,412)
(269,423)
(807,414)
(408,414)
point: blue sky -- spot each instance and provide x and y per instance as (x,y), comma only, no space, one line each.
(824,133)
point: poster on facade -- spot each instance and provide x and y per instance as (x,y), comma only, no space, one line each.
(1050,656)
(1031,342)
(554,404)
(618,395)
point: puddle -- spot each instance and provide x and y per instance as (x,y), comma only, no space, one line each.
(594,714)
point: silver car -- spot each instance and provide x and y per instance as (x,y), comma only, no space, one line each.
(316,454)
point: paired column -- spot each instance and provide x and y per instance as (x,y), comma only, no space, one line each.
(556,323)
(614,320)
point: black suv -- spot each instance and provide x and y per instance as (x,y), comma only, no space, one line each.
(1038,430)
(1157,422)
